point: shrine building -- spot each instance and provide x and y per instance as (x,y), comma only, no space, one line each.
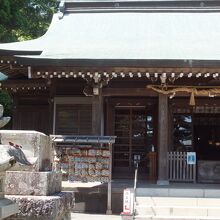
(146,71)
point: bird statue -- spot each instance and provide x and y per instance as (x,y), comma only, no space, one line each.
(15,151)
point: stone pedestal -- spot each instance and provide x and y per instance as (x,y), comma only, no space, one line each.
(7,207)
(54,207)
(38,196)
(32,183)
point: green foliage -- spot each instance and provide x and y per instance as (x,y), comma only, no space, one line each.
(25,19)
(6,101)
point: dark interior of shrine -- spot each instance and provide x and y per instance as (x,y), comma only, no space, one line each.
(207,136)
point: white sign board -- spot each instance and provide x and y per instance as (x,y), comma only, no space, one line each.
(191,158)
(128,201)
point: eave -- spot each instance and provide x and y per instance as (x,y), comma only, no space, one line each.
(130,63)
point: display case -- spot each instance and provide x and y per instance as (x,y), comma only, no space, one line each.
(85,158)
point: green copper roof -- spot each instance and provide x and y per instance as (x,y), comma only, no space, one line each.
(138,34)
(130,35)
(3,76)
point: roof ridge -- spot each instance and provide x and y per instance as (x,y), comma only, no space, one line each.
(68,5)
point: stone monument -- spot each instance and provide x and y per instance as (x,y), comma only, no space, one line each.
(31,182)
(7,207)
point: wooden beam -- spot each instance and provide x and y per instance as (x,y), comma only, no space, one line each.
(110,69)
(128,92)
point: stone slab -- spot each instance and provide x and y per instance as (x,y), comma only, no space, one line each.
(7,208)
(208,171)
(35,145)
(153,191)
(196,193)
(189,211)
(212,193)
(56,207)
(208,202)
(32,183)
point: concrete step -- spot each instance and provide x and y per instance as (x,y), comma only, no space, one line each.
(179,192)
(177,208)
(178,211)
(178,201)
(147,217)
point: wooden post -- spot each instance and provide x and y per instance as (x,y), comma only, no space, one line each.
(97,114)
(52,88)
(15,113)
(109,192)
(109,118)
(163,121)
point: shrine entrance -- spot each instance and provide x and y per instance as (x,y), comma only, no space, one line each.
(135,131)
(197,130)
(206,136)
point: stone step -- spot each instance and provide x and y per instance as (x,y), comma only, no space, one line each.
(178,201)
(178,211)
(177,208)
(179,192)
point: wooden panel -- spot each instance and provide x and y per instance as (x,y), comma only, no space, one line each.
(65,87)
(32,118)
(74,119)
(152,157)
(208,171)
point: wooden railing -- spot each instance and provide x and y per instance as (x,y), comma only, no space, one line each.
(178,169)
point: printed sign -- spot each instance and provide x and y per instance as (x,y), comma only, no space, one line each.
(127,202)
(191,158)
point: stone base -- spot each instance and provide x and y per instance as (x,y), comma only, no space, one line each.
(127,216)
(2,183)
(56,207)
(7,208)
(163,182)
(32,183)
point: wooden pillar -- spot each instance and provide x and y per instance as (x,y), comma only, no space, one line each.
(97,114)
(163,133)
(109,194)
(15,112)
(109,118)
(52,87)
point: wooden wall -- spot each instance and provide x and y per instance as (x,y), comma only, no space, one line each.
(31,113)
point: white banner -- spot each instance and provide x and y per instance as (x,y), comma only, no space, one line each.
(127,202)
